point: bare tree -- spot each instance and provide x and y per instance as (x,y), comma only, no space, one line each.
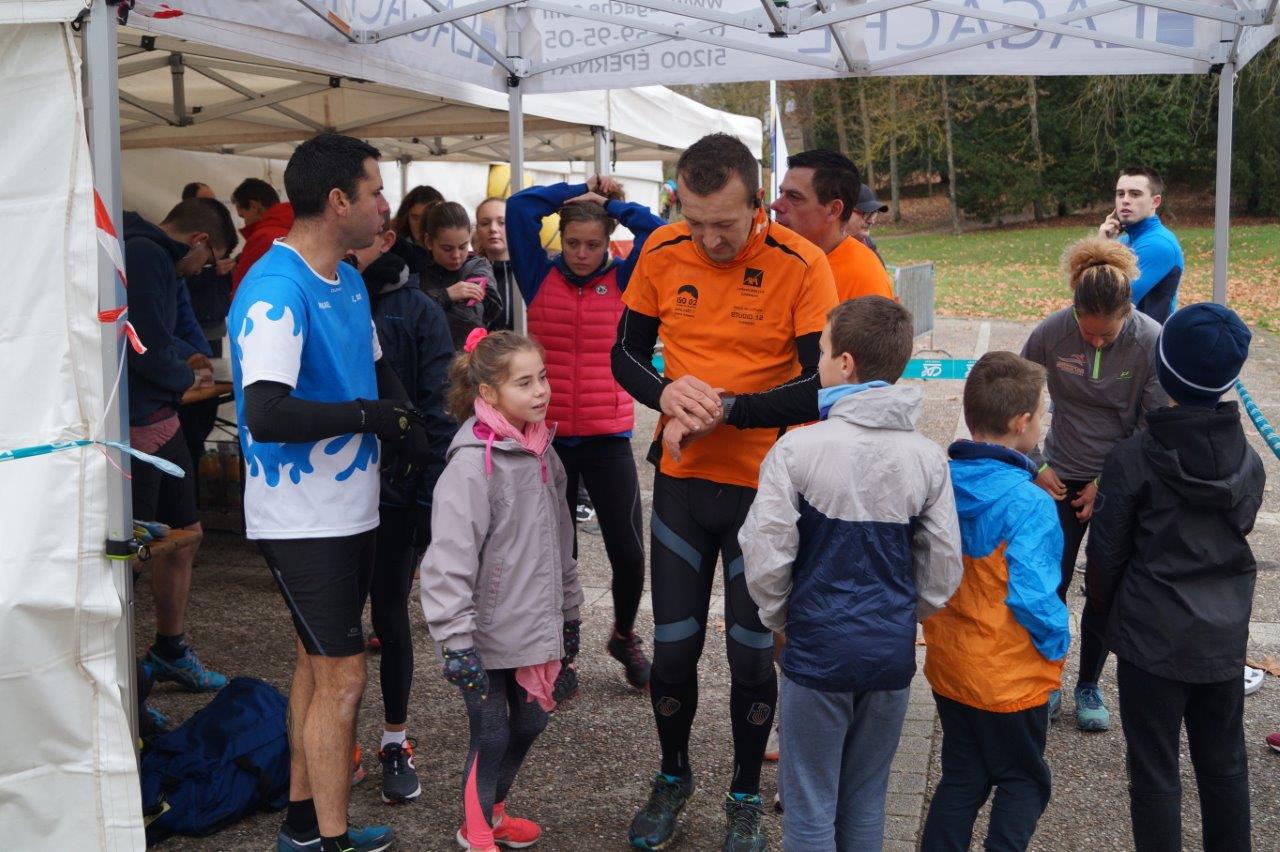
(951,159)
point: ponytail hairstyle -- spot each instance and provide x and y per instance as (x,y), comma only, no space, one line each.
(446,214)
(486,360)
(1100,272)
(590,211)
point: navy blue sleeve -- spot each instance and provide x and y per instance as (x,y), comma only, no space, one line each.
(1111,532)
(525,212)
(435,354)
(151,284)
(188,335)
(641,222)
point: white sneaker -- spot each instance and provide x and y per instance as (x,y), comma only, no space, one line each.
(1253,679)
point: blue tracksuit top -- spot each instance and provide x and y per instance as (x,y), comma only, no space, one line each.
(1159,256)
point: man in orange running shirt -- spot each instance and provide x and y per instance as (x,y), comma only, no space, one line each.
(739,302)
(816,199)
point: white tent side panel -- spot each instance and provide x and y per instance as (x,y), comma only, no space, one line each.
(40,11)
(68,779)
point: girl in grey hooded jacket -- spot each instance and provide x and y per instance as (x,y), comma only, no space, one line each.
(500,586)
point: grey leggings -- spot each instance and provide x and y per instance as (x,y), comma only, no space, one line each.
(504,725)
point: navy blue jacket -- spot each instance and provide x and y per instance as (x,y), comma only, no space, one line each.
(158,378)
(414,336)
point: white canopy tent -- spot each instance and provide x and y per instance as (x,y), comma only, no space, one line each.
(200,94)
(66,771)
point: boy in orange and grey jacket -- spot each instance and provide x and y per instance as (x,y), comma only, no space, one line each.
(996,651)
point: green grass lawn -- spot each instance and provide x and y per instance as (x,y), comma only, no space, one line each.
(1013,273)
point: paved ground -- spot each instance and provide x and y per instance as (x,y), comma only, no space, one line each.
(590,769)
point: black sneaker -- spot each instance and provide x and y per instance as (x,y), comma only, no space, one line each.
(744,811)
(655,824)
(399,778)
(626,650)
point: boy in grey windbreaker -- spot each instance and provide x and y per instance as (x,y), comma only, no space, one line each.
(852,538)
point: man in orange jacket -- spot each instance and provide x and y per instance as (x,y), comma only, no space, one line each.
(816,199)
(266,219)
(739,302)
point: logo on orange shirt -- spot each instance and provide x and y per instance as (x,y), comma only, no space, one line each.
(686,300)
(753,277)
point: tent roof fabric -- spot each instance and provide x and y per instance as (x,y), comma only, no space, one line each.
(191,89)
(570,45)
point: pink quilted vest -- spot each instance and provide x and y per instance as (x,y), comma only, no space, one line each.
(577,326)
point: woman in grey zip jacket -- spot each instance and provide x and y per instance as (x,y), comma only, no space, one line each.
(1100,358)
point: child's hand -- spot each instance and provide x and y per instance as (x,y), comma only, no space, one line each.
(572,639)
(1084,503)
(464,670)
(1049,481)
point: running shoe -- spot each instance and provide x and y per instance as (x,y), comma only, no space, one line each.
(399,778)
(655,824)
(375,644)
(1273,740)
(187,671)
(583,513)
(511,832)
(152,723)
(627,650)
(374,838)
(743,835)
(357,768)
(1055,705)
(771,747)
(1091,710)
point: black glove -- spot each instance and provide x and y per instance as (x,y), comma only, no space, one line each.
(464,670)
(566,685)
(406,449)
(572,638)
(389,419)
(420,527)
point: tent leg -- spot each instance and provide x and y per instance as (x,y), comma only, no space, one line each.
(404,162)
(102,118)
(1222,182)
(515,145)
(603,161)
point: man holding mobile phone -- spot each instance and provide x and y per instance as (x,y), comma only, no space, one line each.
(1136,223)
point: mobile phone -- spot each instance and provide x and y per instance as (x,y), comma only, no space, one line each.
(484,284)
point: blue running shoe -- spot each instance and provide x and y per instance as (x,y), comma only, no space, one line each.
(1091,710)
(374,838)
(187,671)
(743,835)
(655,824)
(1055,705)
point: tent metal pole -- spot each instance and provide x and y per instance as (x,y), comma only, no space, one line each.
(404,161)
(515,135)
(102,119)
(1222,181)
(603,162)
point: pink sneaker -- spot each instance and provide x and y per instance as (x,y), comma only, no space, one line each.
(511,832)
(1273,740)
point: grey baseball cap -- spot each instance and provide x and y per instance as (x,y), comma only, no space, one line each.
(867,202)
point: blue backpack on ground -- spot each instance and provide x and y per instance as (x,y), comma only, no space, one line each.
(229,760)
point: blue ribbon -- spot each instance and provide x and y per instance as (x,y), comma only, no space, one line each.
(58,446)
(1265,429)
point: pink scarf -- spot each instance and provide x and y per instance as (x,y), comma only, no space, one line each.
(492,424)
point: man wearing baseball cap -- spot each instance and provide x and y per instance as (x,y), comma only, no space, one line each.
(865,211)
(1171,575)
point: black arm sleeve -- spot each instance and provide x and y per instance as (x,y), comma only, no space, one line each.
(632,358)
(787,404)
(389,384)
(273,414)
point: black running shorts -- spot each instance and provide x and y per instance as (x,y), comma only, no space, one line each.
(325,583)
(157,496)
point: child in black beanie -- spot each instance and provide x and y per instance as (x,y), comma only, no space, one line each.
(1171,574)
